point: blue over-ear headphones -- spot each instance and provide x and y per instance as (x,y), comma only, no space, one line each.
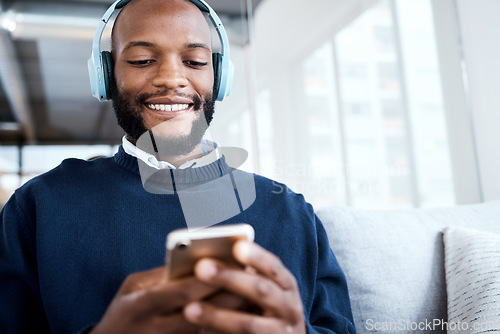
(100,64)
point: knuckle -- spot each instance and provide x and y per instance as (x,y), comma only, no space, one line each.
(263,287)
(141,297)
(293,282)
(289,281)
(296,312)
(208,317)
(185,295)
(130,282)
(132,305)
(133,283)
(276,268)
(157,325)
(249,326)
(224,274)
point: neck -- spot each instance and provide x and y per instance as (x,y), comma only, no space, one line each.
(130,139)
(178,160)
(175,160)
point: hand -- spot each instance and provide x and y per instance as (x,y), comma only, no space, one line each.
(147,303)
(270,286)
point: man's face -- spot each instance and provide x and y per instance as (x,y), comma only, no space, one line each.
(163,70)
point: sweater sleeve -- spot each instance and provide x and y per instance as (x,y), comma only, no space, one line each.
(331,307)
(20,303)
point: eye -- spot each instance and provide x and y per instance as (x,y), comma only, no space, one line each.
(195,64)
(141,63)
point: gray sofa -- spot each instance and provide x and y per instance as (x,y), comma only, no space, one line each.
(396,269)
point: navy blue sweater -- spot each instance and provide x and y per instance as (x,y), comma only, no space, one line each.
(71,236)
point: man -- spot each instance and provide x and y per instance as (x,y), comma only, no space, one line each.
(78,243)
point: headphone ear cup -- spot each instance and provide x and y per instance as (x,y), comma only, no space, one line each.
(217,63)
(108,68)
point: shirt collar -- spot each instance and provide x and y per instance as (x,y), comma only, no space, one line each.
(209,151)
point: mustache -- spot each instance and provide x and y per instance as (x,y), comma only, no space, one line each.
(142,98)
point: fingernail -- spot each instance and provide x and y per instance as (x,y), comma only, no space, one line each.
(207,269)
(193,311)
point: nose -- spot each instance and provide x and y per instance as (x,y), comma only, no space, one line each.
(170,74)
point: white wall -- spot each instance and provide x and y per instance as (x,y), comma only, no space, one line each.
(461,136)
(298,27)
(480,31)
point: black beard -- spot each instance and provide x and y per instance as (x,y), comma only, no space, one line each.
(129,116)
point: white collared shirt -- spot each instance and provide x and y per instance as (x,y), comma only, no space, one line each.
(209,153)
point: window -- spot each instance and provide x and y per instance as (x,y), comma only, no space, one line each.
(18,165)
(368,118)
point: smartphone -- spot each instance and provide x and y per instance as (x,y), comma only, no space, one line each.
(185,248)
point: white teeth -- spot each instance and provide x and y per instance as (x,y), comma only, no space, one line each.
(168,107)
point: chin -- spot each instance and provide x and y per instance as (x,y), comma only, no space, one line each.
(172,128)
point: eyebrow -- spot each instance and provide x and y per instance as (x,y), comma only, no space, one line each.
(150,45)
(138,43)
(198,45)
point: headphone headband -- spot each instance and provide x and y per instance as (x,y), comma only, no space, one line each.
(122,3)
(101,69)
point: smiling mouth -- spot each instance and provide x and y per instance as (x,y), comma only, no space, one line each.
(170,107)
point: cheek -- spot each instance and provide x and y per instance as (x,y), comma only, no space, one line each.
(120,81)
(205,84)
(201,80)
(126,81)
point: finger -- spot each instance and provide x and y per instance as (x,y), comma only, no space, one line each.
(168,297)
(268,264)
(216,319)
(142,280)
(206,330)
(259,289)
(175,323)
(227,300)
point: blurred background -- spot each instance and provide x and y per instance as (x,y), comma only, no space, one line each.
(362,103)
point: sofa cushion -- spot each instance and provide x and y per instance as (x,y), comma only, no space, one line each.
(472,267)
(394,261)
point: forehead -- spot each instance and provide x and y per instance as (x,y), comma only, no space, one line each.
(150,19)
